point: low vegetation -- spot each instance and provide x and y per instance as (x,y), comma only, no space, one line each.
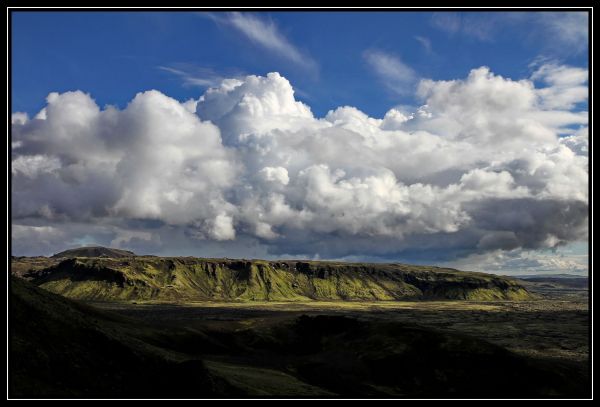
(184,279)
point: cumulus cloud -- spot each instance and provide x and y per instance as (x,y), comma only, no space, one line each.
(275,174)
(243,109)
(481,166)
(153,160)
(523,262)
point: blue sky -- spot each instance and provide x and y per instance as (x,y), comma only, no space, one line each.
(115,55)
(458,138)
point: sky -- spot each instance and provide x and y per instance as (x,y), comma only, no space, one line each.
(447,138)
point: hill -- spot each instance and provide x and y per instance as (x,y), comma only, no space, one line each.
(62,348)
(195,279)
(94,251)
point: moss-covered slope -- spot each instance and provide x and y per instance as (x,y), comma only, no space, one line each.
(189,279)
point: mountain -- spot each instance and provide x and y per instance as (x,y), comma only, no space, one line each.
(195,279)
(94,251)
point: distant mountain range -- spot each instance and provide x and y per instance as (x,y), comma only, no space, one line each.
(532,276)
(558,281)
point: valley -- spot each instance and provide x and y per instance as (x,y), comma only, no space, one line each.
(435,338)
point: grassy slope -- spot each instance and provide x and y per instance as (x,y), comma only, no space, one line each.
(193,279)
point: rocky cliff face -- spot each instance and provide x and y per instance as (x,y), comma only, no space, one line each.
(194,279)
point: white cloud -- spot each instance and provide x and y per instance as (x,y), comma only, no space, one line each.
(447,21)
(578,141)
(425,42)
(256,104)
(566,85)
(37,240)
(560,75)
(480,26)
(559,33)
(33,165)
(205,79)
(275,174)
(265,33)
(567,29)
(514,261)
(487,108)
(153,160)
(24,231)
(394,73)
(193,75)
(19,118)
(479,167)
(222,228)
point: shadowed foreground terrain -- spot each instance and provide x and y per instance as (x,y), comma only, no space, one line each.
(59,347)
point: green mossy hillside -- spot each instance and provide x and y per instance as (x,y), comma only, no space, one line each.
(150,278)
